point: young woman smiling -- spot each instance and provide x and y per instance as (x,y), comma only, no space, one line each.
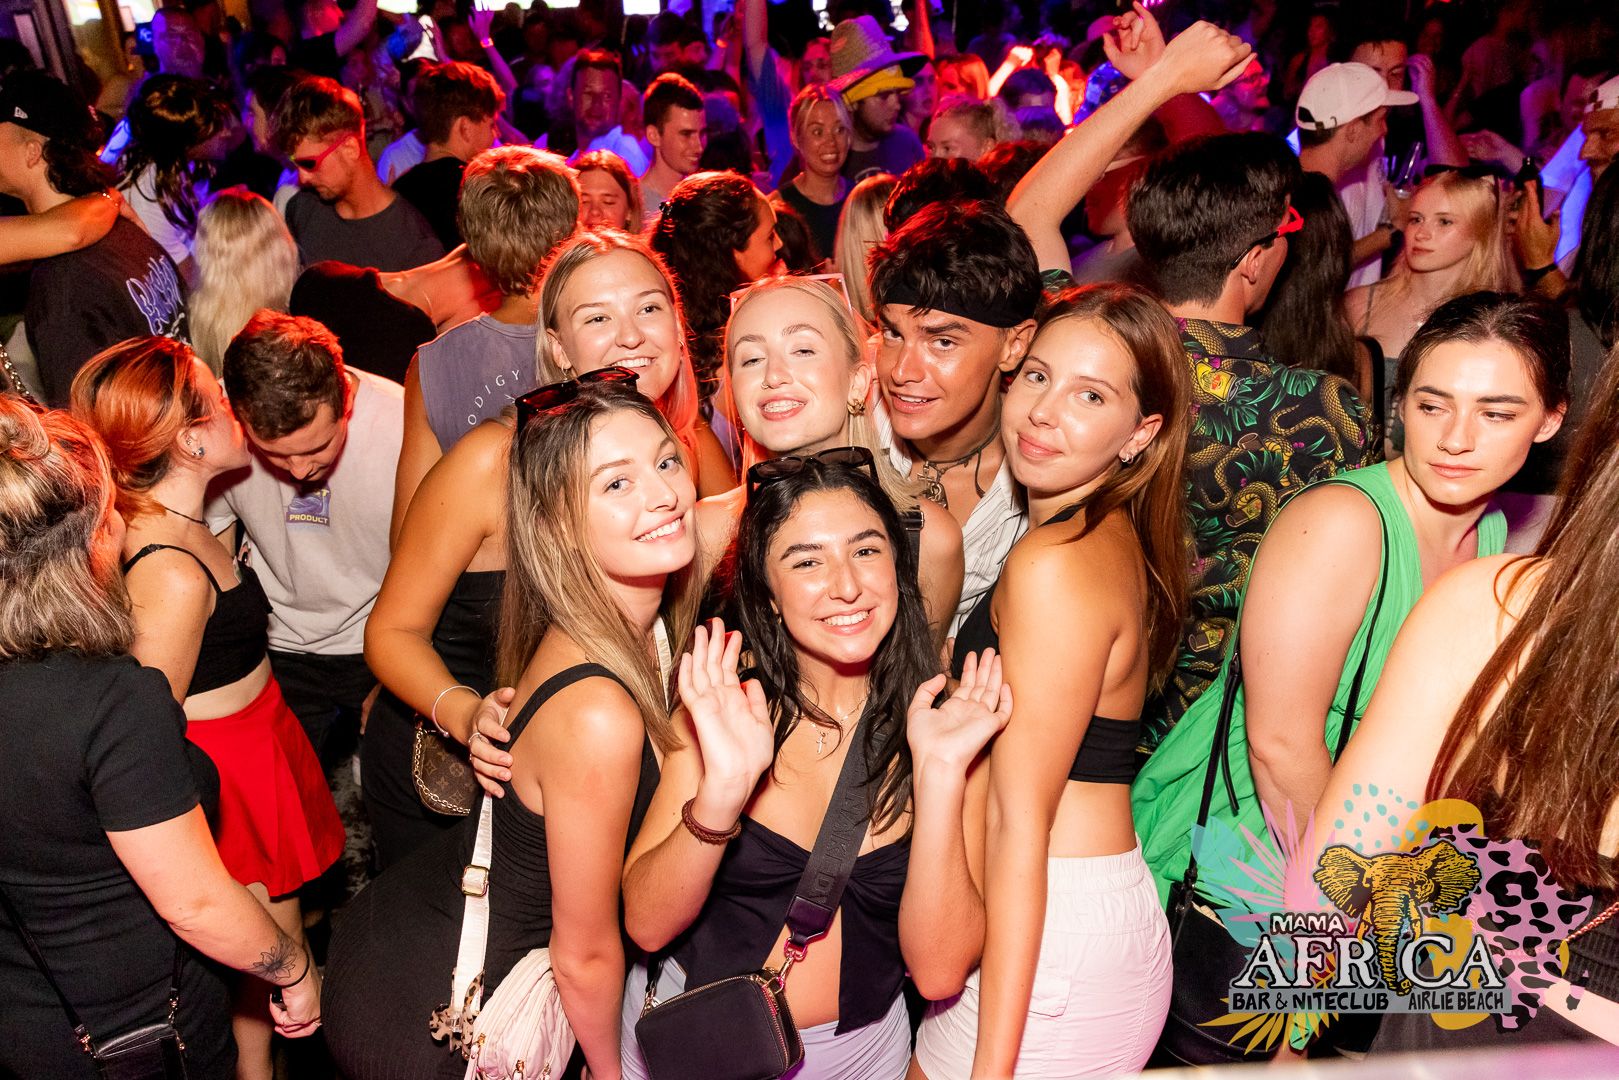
(1075,973)
(819,123)
(608,299)
(800,385)
(600,544)
(828,606)
(1483,380)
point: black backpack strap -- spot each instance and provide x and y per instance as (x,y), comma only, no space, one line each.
(149,548)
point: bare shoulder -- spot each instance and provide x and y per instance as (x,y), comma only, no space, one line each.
(1054,567)
(484,449)
(1337,515)
(939,526)
(592,723)
(170,573)
(1485,596)
(717,518)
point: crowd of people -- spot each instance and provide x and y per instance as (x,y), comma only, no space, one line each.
(671,466)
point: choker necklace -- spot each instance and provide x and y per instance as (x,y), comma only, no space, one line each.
(188,517)
(932,473)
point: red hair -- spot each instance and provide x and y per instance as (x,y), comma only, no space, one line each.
(139,395)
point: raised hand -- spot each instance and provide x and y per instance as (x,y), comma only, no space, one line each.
(1204,58)
(1488,146)
(1135,43)
(732,719)
(1020,56)
(490,764)
(1536,238)
(1420,70)
(952,735)
(480,20)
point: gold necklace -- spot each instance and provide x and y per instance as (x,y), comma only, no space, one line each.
(820,733)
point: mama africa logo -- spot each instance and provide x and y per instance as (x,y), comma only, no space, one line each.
(1409,908)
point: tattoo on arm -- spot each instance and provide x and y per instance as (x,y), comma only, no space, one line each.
(277,964)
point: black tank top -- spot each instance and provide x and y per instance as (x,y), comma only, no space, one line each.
(237,634)
(1107,753)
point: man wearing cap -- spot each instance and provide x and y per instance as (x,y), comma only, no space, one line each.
(120,287)
(1601,128)
(871,76)
(1342,117)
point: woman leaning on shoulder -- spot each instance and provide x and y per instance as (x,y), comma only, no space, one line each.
(107,857)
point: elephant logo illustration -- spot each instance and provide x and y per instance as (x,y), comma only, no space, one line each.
(1386,892)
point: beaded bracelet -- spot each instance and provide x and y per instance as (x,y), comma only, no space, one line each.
(706,835)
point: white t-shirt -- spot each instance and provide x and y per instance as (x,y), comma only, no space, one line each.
(142,198)
(321,553)
(400,156)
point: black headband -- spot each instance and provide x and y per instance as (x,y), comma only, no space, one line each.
(999,311)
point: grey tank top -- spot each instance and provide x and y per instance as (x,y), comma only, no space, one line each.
(471,372)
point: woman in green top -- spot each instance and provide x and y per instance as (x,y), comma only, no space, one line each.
(1484,379)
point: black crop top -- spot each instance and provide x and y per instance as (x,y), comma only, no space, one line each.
(747,908)
(237,634)
(1107,754)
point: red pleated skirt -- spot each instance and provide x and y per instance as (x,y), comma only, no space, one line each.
(277,822)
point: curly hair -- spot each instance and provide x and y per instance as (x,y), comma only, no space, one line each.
(705,221)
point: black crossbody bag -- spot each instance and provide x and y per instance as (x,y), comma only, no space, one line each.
(740,1028)
(153,1052)
(1206,957)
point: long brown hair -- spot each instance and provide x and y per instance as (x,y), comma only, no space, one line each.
(552,576)
(60,585)
(1557,669)
(1151,489)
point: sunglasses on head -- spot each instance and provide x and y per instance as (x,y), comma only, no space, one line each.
(559,394)
(1292,222)
(310,164)
(833,280)
(838,457)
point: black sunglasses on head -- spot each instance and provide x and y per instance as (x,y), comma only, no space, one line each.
(558,394)
(838,457)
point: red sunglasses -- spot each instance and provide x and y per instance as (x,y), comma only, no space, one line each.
(310,164)
(1292,222)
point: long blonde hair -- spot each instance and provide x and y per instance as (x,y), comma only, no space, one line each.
(851,333)
(679,403)
(860,229)
(552,575)
(1477,202)
(246,260)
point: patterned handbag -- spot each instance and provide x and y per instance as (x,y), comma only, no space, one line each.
(441,771)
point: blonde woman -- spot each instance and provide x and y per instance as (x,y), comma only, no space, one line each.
(793,358)
(860,229)
(246,260)
(820,127)
(1455,243)
(965,127)
(607,298)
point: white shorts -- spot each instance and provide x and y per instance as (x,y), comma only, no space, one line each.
(879,1051)
(1101,988)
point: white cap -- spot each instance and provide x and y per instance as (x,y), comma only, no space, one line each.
(1339,93)
(1605,96)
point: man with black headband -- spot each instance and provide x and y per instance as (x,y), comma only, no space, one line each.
(956,289)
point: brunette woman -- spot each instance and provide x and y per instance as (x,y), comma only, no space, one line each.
(172,122)
(717,232)
(800,385)
(1519,721)
(827,603)
(599,550)
(1075,972)
(820,127)
(202,619)
(106,859)
(1484,380)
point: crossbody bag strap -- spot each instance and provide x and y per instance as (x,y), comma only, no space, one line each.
(831,861)
(1222,735)
(1351,703)
(469,954)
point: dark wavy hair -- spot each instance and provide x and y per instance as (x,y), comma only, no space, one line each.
(1536,329)
(168,120)
(705,221)
(935,180)
(1596,267)
(903,661)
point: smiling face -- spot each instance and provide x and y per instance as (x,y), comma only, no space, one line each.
(596,93)
(1072,413)
(617,309)
(1471,415)
(681,139)
(1436,234)
(822,139)
(762,255)
(791,375)
(830,568)
(638,500)
(602,203)
(938,371)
